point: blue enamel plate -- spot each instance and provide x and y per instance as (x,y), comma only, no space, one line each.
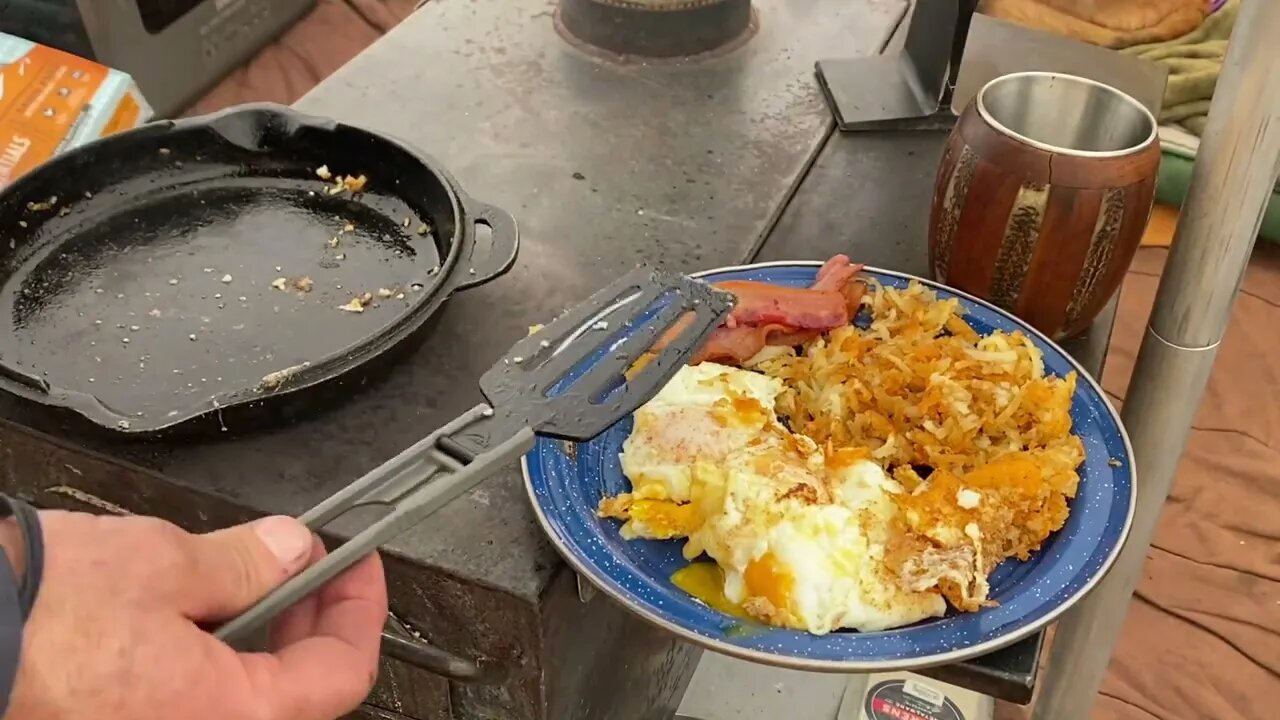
(566,483)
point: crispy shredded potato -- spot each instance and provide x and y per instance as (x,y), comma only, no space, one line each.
(972,427)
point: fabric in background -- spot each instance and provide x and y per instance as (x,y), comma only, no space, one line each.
(1107,23)
(334,32)
(1194,62)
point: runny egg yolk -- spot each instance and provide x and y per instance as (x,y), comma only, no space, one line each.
(705,582)
(765,578)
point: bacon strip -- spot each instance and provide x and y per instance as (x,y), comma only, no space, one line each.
(835,274)
(768,314)
(766,304)
(732,346)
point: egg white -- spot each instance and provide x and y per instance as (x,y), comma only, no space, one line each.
(681,426)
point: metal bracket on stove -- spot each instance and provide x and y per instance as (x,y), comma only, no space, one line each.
(586,591)
(907,89)
(403,644)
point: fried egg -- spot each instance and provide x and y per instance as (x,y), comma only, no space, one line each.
(802,545)
(703,413)
(799,538)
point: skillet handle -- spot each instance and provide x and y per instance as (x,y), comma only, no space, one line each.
(474,270)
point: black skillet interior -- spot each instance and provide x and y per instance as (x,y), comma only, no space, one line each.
(168,274)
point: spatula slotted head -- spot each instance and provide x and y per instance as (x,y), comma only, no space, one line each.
(596,342)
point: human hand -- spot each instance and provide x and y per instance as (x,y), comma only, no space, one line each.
(115,633)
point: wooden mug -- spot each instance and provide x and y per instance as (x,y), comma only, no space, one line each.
(1043,194)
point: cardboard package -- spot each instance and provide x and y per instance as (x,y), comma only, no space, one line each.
(51,101)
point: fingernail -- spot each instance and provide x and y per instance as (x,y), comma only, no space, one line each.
(286,538)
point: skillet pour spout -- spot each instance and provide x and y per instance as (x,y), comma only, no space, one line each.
(230,271)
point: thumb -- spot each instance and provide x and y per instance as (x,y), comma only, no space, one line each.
(234,568)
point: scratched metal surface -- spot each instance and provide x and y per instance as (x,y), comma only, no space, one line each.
(681,163)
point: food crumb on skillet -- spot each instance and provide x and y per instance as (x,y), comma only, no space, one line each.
(347,183)
(323,173)
(302,284)
(423,229)
(173,281)
(164,151)
(406,222)
(358,303)
(192,337)
(273,380)
(348,228)
(43,205)
(226,278)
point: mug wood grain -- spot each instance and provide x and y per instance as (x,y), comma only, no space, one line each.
(1044,234)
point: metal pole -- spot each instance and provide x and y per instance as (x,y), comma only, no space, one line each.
(1235,172)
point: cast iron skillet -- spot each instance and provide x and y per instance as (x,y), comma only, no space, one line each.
(136,272)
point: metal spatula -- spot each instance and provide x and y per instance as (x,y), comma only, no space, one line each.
(528,394)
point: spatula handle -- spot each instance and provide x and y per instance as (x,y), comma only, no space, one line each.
(414,484)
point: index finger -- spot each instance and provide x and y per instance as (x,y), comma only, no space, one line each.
(329,671)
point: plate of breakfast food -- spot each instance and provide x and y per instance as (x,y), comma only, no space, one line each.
(860,471)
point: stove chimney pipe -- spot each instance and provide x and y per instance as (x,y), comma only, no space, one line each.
(655,28)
